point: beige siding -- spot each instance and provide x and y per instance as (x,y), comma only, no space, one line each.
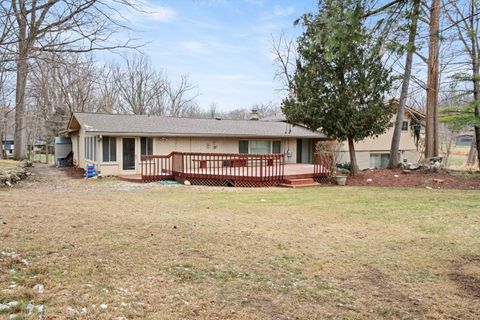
(384,141)
(381,145)
(363,157)
(164,146)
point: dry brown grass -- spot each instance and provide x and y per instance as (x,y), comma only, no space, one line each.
(7,164)
(176,252)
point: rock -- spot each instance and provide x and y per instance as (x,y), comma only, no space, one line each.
(429,188)
(30,308)
(396,175)
(263,200)
(8,306)
(438,180)
(187,183)
(369,180)
(406,171)
(39,288)
(103,306)
(13,316)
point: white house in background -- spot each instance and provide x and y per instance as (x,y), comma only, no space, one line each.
(8,145)
(375,152)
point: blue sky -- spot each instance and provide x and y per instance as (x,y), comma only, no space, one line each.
(223,45)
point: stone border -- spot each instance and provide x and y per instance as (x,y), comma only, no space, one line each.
(10,176)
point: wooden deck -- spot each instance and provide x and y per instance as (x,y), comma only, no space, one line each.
(229,169)
(291,171)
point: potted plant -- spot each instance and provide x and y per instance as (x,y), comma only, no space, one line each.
(340,176)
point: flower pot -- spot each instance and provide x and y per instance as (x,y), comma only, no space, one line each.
(341,180)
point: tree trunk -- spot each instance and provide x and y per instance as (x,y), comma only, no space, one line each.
(431,134)
(394,157)
(477,142)
(22,73)
(353,157)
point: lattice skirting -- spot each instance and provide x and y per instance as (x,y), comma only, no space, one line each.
(232,183)
(324,179)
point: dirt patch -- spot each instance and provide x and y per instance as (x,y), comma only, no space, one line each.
(466,275)
(416,179)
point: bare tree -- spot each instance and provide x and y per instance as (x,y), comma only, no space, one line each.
(285,52)
(465,20)
(181,97)
(431,132)
(39,26)
(140,87)
(394,155)
(144,90)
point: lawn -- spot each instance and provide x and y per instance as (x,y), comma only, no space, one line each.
(105,249)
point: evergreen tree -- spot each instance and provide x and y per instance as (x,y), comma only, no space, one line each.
(340,81)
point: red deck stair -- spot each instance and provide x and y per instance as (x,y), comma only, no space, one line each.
(299,183)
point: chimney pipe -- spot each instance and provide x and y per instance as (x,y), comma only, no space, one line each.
(254,114)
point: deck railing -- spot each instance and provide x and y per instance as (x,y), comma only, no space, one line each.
(266,168)
(155,167)
(323,165)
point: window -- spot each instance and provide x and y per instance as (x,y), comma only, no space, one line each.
(109,149)
(276,147)
(146,146)
(243,146)
(90,148)
(405,126)
(259,146)
(379,160)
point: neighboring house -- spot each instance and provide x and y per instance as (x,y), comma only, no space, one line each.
(8,145)
(464,139)
(115,143)
(375,152)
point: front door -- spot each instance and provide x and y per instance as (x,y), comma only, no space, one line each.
(299,150)
(128,153)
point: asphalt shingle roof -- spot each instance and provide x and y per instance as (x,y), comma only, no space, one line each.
(170,126)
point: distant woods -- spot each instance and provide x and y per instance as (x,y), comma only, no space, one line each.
(60,84)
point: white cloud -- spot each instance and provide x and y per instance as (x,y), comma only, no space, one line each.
(159,13)
(238,76)
(279,11)
(194,47)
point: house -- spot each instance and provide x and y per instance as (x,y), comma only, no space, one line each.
(116,143)
(464,139)
(8,145)
(374,152)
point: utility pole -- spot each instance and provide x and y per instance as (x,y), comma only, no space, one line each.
(431,134)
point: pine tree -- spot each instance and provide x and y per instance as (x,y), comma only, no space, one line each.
(340,81)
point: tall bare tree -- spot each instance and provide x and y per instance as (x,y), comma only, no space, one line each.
(431,132)
(464,18)
(285,55)
(39,26)
(414,16)
(140,87)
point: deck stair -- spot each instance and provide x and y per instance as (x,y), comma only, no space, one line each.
(299,183)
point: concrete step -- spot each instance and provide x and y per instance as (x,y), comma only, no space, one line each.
(296,186)
(301,181)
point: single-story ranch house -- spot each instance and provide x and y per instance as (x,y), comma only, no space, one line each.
(268,151)
(115,143)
